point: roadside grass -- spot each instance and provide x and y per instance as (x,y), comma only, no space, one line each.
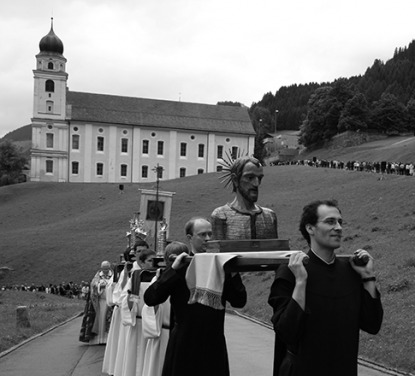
(45,311)
(64,231)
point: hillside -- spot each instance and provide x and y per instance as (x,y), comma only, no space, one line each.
(20,134)
(54,232)
(390,149)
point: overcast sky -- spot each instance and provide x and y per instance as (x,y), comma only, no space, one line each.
(201,51)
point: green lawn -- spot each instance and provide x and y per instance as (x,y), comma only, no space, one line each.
(61,232)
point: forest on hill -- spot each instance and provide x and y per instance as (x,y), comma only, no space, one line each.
(382,100)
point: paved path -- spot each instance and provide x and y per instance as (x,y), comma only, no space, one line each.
(59,353)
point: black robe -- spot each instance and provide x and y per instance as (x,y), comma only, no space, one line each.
(197,343)
(324,337)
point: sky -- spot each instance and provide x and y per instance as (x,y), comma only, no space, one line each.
(201,51)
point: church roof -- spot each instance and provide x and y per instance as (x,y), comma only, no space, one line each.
(112,109)
(51,43)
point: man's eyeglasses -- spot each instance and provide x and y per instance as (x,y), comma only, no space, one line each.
(332,222)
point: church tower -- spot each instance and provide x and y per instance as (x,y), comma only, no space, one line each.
(49,155)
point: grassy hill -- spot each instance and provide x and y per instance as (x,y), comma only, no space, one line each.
(51,233)
(391,149)
(23,133)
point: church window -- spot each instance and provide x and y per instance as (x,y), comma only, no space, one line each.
(49,106)
(183,149)
(160,147)
(192,137)
(200,171)
(50,65)
(75,142)
(75,168)
(123,170)
(220,152)
(145,146)
(49,86)
(182,172)
(49,140)
(100,169)
(201,153)
(234,152)
(144,171)
(49,166)
(153,134)
(100,130)
(100,143)
(124,145)
(218,168)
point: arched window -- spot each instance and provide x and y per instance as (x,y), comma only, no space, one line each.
(50,65)
(49,106)
(50,86)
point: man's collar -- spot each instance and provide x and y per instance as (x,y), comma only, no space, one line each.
(329,262)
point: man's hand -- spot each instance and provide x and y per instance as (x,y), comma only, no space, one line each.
(296,265)
(179,261)
(365,271)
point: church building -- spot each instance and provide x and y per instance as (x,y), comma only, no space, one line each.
(96,138)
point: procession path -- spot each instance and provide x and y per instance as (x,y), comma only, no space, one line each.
(59,353)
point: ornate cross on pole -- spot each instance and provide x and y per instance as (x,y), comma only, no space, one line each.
(158,170)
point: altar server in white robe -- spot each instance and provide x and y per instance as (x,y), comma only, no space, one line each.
(113,294)
(130,266)
(133,302)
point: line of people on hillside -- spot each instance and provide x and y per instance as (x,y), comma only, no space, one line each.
(170,322)
(383,167)
(69,290)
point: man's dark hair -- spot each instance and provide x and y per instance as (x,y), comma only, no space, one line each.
(174,248)
(190,224)
(146,253)
(140,243)
(310,215)
(127,254)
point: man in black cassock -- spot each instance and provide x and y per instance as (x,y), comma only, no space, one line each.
(321,305)
(197,343)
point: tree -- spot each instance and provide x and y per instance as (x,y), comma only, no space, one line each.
(230,103)
(261,120)
(388,115)
(355,114)
(12,162)
(324,109)
(410,108)
(313,127)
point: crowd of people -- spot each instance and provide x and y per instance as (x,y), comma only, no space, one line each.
(384,167)
(69,290)
(169,321)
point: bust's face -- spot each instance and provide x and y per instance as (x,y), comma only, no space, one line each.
(250,181)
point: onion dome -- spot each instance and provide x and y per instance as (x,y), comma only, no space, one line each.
(51,43)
